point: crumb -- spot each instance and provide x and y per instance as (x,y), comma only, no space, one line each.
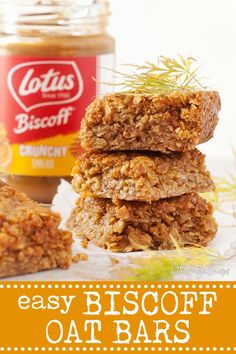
(114,260)
(80,257)
(84,243)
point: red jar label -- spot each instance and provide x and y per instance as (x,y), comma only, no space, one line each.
(42,103)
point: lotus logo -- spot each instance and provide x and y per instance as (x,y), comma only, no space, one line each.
(45,83)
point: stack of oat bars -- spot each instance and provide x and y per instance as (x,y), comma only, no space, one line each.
(139,180)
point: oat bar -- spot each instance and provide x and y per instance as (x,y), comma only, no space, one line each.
(175,122)
(141,176)
(30,240)
(131,226)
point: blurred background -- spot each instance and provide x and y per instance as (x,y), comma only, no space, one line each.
(204,29)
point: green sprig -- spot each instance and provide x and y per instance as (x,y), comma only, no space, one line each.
(166,76)
(162,266)
(224,194)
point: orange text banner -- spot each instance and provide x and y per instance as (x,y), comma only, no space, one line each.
(118,317)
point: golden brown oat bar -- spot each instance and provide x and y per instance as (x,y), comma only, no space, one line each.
(175,122)
(30,240)
(141,176)
(132,226)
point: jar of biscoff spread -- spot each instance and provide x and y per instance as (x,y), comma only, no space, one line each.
(52,55)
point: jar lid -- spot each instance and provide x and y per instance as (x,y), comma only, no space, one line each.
(59,15)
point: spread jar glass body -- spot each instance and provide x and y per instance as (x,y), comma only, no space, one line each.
(51,58)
